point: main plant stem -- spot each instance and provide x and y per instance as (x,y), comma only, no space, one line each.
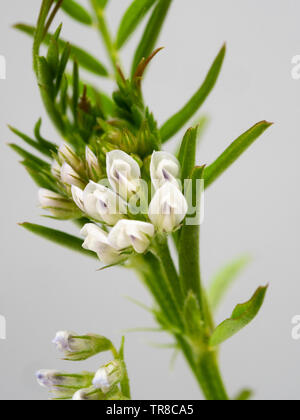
(203,362)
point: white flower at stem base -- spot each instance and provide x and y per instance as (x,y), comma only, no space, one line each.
(70,177)
(92,164)
(96,240)
(164,168)
(67,154)
(103,204)
(168,208)
(131,233)
(76,348)
(123,173)
(59,206)
(108,376)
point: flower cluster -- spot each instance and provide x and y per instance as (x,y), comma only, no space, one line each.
(122,219)
(99,385)
(117,207)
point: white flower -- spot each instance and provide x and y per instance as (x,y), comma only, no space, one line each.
(108,376)
(123,173)
(70,177)
(47,378)
(96,240)
(131,233)
(102,204)
(168,208)
(67,154)
(164,168)
(93,164)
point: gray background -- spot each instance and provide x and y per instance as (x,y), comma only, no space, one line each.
(253,208)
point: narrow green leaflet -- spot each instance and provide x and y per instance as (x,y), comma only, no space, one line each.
(187,153)
(29,157)
(61,238)
(125,382)
(224,279)
(234,151)
(101,3)
(35,144)
(175,123)
(84,59)
(38,33)
(76,11)
(152,32)
(242,315)
(131,20)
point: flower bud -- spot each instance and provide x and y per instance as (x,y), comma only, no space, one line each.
(59,206)
(55,170)
(123,173)
(102,204)
(96,240)
(77,348)
(67,154)
(70,177)
(168,208)
(89,394)
(164,168)
(63,385)
(92,164)
(108,376)
(131,233)
(77,194)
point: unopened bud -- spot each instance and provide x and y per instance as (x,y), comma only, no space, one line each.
(89,394)
(77,348)
(67,154)
(59,206)
(108,376)
(92,164)
(55,169)
(70,177)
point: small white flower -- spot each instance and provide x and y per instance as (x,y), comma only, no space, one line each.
(93,164)
(103,204)
(96,240)
(164,168)
(131,233)
(108,376)
(123,173)
(168,208)
(70,177)
(77,194)
(67,154)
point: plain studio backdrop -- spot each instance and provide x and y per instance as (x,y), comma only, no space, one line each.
(253,208)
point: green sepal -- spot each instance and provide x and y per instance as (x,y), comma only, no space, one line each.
(242,315)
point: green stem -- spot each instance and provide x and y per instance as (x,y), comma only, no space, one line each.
(163,254)
(106,36)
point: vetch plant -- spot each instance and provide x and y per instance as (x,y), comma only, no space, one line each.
(128,197)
